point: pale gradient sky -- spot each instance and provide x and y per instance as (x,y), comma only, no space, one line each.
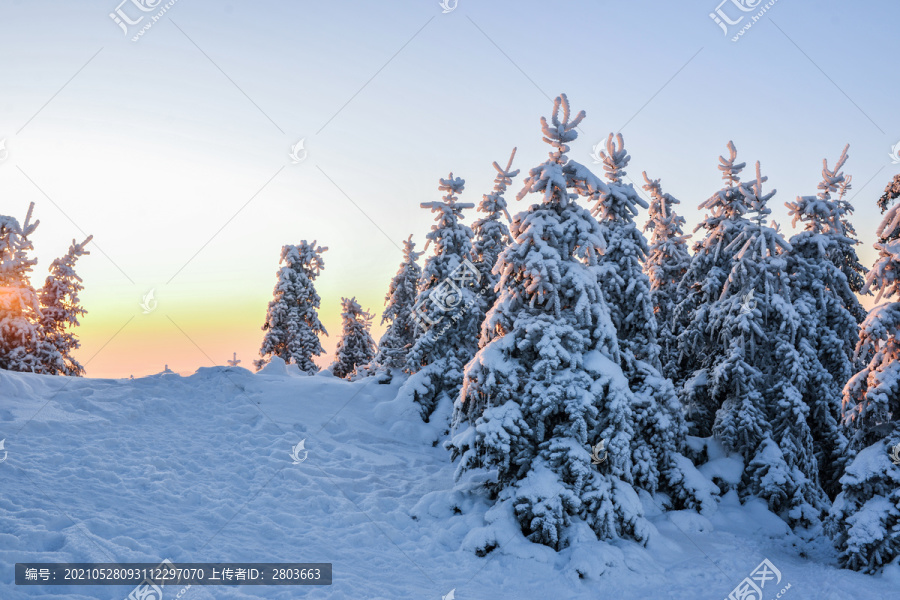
(173,150)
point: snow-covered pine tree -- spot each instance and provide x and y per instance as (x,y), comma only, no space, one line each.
(702,285)
(491,231)
(447,306)
(292,320)
(19,304)
(667,262)
(847,259)
(546,384)
(865,517)
(757,373)
(658,419)
(402,330)
(60,310)
(356,346)
(827,306)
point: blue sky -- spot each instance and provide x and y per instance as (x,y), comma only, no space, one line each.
(173,150)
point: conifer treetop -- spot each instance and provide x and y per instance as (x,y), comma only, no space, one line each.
(307,256)
(553,177)
(620,201)
(493,202)
(754,198)
(846,209)
(665,225)
(14,237)
(730,170)
(653,186)
(885,274)
(409,250)
(616,158)
(891,193)
(504,176)
(450,236)
(561,132)
(832,178)
(819,213)
(727,204)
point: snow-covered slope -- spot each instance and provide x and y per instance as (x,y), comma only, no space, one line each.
(198,469)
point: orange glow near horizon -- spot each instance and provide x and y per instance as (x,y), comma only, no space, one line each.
(119,344)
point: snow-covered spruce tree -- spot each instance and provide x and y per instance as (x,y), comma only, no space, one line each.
(402,330)
(702,285)
(491,231)
(356,346)
(446,307)
(666,263)
(827,305)
(658,419)
(60,310)
(847,259)
(292,321)
(757,374)
(19,304)
(865,517)
(546,385)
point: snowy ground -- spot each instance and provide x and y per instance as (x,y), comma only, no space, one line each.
(197,469)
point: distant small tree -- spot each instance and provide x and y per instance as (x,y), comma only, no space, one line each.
(60,310)
(667,261)
(828,309)
(19,303)
(448,291)
(356,346)
(757,374)
(846,257)
(292,321)
(491,231)
(701,286)
(657,413)
(402,330)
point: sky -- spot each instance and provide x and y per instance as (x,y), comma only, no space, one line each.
(173,149)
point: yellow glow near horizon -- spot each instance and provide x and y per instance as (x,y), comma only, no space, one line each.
(121,342)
